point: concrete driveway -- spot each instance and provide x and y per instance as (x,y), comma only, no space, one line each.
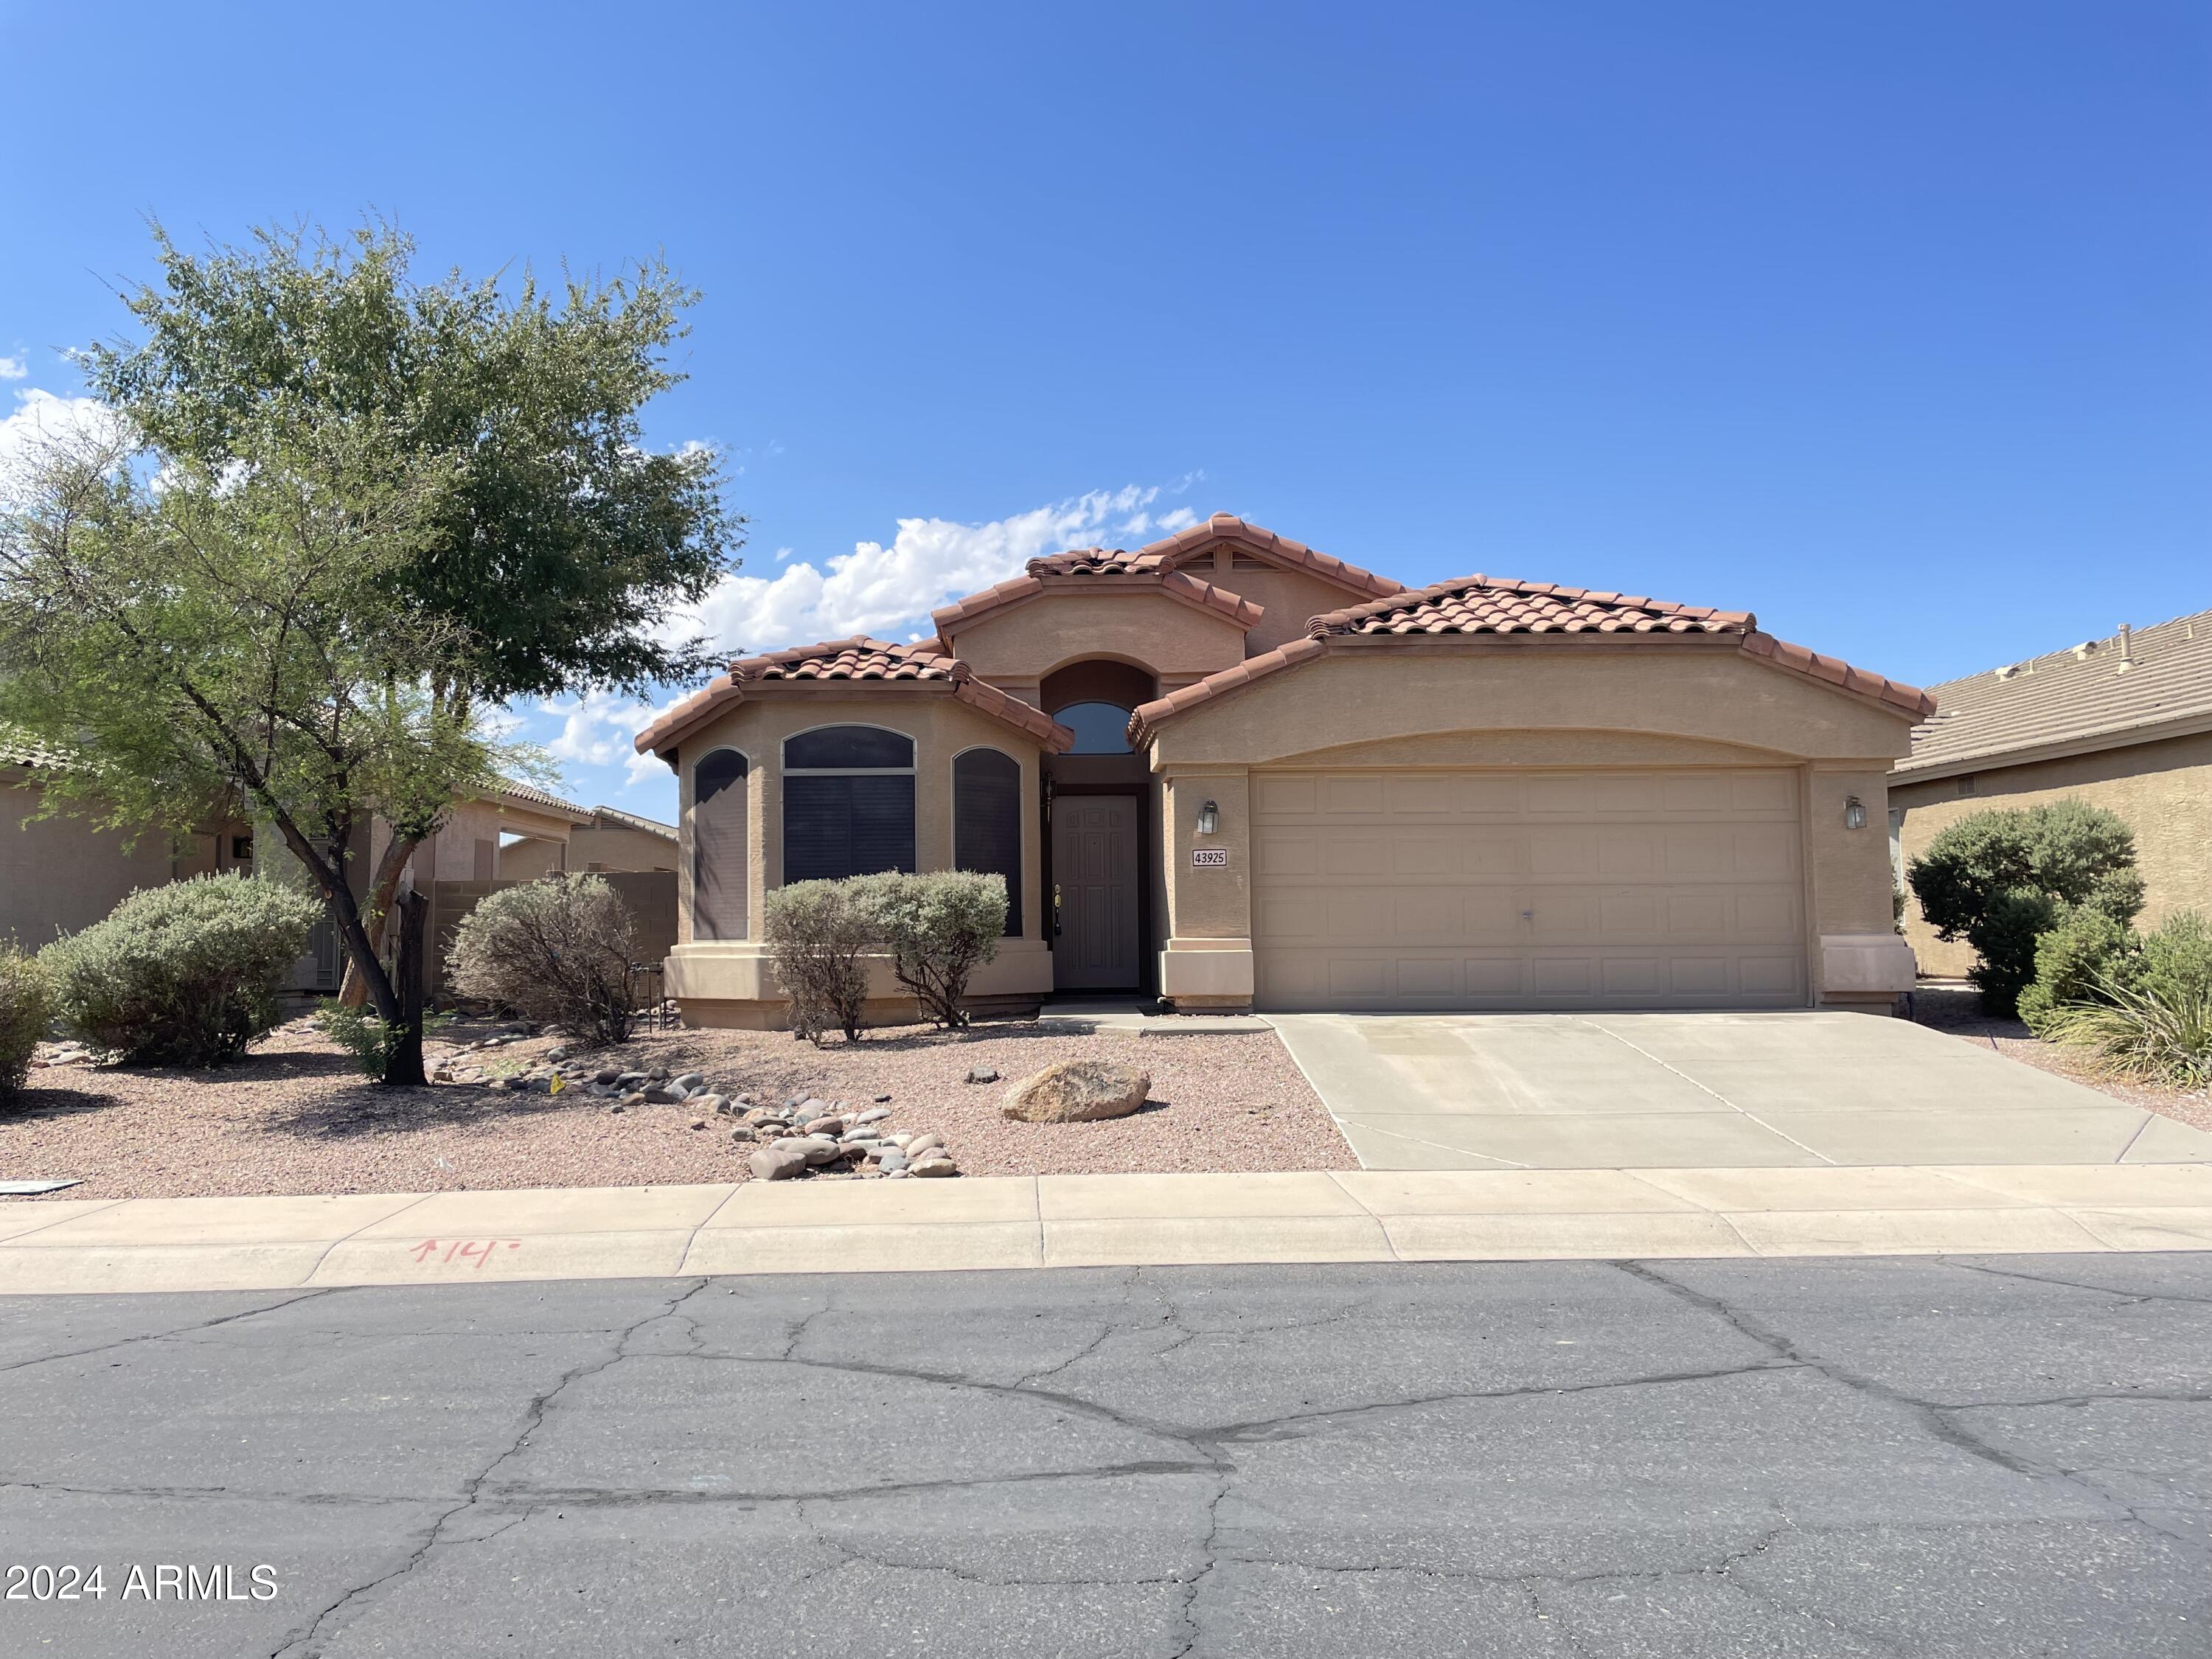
(1563,1091)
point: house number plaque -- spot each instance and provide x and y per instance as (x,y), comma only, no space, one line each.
(1203,858)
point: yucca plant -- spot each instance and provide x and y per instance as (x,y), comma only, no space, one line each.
(2158,1033)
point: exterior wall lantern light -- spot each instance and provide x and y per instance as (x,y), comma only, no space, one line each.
(1854,812)
(1209,819)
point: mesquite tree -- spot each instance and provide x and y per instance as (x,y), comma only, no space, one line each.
(201,640)
(563,543)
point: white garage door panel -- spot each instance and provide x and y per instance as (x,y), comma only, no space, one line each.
(1473,889)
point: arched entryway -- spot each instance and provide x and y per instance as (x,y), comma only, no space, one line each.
(1098,841)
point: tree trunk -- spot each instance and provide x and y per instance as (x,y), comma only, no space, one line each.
(404,1064)
(353,992)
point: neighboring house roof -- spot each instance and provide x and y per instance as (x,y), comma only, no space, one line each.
(1129,576)
(610,817)
(539,801)
(19,749)
(2102,694)
(922,667)
(1497,604)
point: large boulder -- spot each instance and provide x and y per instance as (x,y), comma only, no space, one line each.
(1077,1091)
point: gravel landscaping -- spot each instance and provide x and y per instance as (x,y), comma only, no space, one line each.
(295,1116)
(1955,1008)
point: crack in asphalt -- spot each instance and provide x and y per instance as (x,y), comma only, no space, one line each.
(182,1330)
(1936,1419)
(2072,1283)
(307,1644)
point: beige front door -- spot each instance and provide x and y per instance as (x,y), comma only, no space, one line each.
(1094,872)
(1527,889)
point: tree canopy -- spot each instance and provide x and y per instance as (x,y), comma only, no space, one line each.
(564,544)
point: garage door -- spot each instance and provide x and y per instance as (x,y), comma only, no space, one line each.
(1527,890)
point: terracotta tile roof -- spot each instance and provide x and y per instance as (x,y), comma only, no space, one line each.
(860,661)
(2100,694)
(1499,605)
(1092,560)
(1096,570)
(1266,545)
(1469,605)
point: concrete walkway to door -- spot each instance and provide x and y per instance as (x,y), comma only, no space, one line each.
(1674,1090)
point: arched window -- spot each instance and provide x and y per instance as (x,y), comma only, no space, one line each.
(1100,728)
(848,803)
(987,822)
(721,872)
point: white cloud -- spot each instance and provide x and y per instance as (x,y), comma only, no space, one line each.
(599,729)
(14,368)
(888,591)
(40,420)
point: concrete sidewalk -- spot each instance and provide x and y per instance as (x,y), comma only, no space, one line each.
(79,1245)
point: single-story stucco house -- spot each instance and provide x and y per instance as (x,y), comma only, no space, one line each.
(611,840)
(2124,723)
(1234,772)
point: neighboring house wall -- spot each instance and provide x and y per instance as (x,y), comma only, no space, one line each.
(723,982)
(58,875)
(610,848)
(2162,791)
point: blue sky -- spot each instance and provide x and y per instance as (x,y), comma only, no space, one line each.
(1890,322)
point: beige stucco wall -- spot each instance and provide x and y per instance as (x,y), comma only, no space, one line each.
(1564,706)
(2163,791)
(719,981)
(1291,598)
(1017,647)
(59,874)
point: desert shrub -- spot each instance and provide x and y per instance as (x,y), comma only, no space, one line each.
(939,928)
(2176,960)
(25,1006)
(815,932)
(556,950)
(184,974)
(2155,1022)
(2078,961)
(2001,879)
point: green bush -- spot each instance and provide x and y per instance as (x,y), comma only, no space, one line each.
(815,932)
(365,1037)
(2154,1020)
(2079,961)
(25,1006)
(556,950)
(939,928)
(184,974)
(2001,879)
(2176,961)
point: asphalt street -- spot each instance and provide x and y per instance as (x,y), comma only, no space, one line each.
(2003,1456)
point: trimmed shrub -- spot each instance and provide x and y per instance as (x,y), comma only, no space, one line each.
(815,932)
(184,974)
(2001,879)
(26,1007)
(556,950)
(2078,961)
(939,928)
